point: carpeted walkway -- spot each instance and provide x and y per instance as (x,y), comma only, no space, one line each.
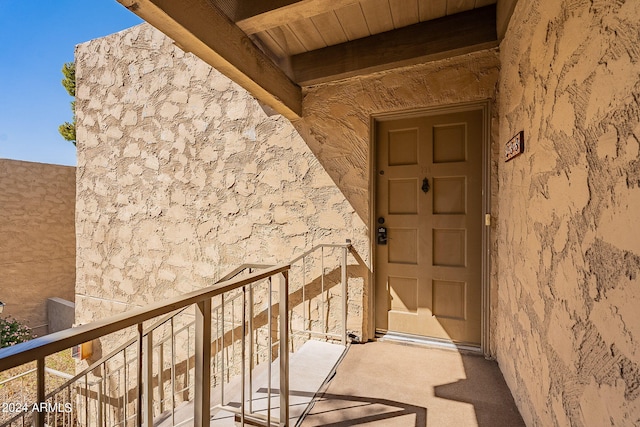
(390,384)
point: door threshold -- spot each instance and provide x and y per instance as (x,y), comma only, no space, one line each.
(399,337)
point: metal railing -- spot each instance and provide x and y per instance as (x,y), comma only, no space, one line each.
(136,384)
(15,391)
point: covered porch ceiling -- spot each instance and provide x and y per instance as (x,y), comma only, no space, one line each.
(273,48)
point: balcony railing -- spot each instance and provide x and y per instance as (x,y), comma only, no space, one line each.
(176,356)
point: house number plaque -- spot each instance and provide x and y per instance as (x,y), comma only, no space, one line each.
(514,147)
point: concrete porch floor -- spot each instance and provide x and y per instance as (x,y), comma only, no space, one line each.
(394,384)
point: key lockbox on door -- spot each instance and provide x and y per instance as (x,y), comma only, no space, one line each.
(382,232)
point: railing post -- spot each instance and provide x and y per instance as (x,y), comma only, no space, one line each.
(161,403)
(243,356)
(284,348)
(40,415)
(126,383)
(202,402)
(102,416)
(140,373)
(325,322)
(344,294)
(173,373)
(147,378)
(222,364)
(270,343)
(250,347)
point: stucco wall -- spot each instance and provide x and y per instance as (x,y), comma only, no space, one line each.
(61,314)
(182,177)
(337,116)
(569,265)
(37,238)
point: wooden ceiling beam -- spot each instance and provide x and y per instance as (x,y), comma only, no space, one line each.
(256,16)
(426,41)
(199,27)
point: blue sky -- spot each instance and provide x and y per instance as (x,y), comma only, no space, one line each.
(36,39)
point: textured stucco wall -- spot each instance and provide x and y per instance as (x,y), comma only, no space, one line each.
(337,119)
(569,265)
(37,238)
(337,116)
(182,177)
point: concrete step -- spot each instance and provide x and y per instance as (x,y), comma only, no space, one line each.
(309,368)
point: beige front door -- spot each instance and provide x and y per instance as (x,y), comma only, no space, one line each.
(429,201)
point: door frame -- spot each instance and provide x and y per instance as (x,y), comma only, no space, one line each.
(485,107)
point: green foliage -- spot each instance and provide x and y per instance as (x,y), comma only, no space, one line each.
(13,332)
(68,130)
(69,81)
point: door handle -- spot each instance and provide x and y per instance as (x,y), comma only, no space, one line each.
(425,185)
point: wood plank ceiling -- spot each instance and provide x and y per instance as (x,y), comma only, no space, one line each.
(273,47)
(350,21)
(295,34)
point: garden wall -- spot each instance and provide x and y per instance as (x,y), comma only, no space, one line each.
(37,243)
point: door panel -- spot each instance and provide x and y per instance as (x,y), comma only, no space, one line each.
(428,275)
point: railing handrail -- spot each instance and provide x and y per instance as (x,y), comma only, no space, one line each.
(103,359)
(318,246)
(153,327)
(52,371)
(233,273)
(41,347)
